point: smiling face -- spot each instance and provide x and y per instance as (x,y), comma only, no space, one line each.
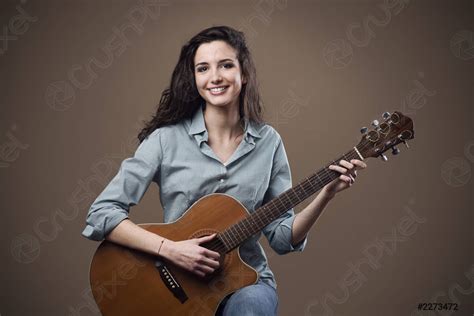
(218,74)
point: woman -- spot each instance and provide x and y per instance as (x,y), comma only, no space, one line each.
(208,136)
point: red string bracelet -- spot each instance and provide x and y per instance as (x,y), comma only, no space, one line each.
(161,244)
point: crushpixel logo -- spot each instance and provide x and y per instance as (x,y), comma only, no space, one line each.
(462,44)
(338,53)
(60,95)
(25,248)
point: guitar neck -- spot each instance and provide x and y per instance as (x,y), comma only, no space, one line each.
(264,215)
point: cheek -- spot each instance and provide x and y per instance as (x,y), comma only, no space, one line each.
(237,80)
(199,81)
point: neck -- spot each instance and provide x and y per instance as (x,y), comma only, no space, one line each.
(236,234)
(222,122)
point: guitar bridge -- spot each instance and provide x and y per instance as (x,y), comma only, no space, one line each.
(171,282)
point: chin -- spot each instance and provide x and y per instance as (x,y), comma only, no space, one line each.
(220,104)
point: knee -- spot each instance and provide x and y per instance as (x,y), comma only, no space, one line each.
(252,303)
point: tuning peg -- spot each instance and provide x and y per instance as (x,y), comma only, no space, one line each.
(386,115)
(364,130)
(375,123)
(400,137)
(395,150)
(383,157)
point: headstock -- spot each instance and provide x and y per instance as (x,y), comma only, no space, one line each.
(395,129)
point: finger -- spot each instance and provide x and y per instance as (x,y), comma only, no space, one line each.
(199,272)
(209,262)
(338,169)
(360,164)
(205,269)
(352,178)
(206,238)
(346,164)
(345,179)
(352,172)
(211,254)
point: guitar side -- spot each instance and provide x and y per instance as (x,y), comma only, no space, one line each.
(127,282)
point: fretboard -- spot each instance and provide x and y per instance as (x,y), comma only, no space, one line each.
(267,213)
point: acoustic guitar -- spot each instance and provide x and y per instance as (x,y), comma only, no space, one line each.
(129,282)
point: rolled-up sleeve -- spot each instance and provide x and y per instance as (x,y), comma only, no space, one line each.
(125,189)
(279,232)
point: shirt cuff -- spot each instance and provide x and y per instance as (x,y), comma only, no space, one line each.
(281,240)
(108,223)
(288,223)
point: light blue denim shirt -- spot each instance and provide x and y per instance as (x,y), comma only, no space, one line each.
(179,160)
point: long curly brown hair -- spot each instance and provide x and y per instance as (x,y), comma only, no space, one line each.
(181,99)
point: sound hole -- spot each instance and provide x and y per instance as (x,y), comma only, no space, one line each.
(214,245)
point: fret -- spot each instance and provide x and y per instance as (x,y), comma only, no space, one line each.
(273,207)
(295,198)
(249,224)
(235,237)
(302,188)
(319,179)
(221,238)
(308,188)
(288,198)
(260,221)
(236,232)
(226,240)
(245,224)
(311,182)
(231,232)
(279,199)
(238,226)
(253,223)
(326,171)
(299,194)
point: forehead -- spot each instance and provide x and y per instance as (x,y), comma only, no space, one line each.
(214,51)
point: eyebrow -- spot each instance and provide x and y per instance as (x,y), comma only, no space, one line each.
(220,61)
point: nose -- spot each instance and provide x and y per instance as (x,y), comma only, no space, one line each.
(216,76)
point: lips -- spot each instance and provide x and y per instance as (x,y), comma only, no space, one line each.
(218,90)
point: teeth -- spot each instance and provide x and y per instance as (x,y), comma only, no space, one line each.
(218,89)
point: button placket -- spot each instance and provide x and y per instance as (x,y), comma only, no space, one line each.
(223,175)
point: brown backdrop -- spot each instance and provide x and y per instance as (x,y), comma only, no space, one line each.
(399,237)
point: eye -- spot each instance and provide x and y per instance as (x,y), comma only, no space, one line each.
(229,65)
(201,69)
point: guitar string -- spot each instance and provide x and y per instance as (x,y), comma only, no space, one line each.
(292,199)
(220,245)
(232,242)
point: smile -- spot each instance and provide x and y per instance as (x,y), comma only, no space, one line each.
(218,90)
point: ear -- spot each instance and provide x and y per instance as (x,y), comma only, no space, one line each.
(244,80)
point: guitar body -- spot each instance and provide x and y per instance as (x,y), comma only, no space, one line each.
(128,282)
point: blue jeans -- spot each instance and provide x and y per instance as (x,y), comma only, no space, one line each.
(258,299)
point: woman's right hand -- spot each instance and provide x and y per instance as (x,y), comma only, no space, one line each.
(188,254)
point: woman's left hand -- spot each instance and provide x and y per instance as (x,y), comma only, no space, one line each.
(347,178)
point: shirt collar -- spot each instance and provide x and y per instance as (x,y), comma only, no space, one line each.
(198,129)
